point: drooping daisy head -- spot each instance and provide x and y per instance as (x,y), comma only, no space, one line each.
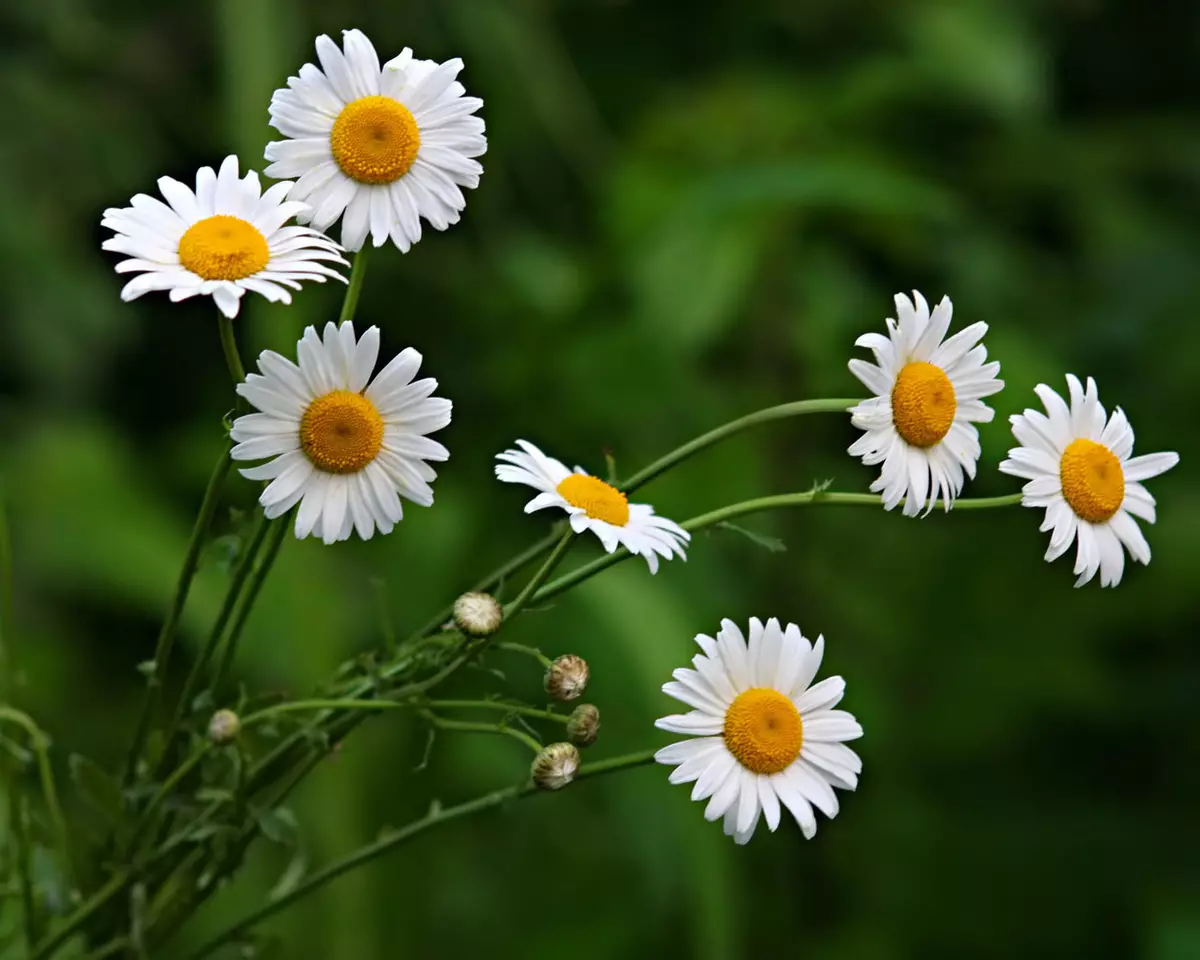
(762,735)
(223,239)
(383,145)
(1079,467)
(344,451)
(928,392)
(593,505)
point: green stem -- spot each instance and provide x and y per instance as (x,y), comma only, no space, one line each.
(268,712)
(469,726)
(522,649)
(278,530)
(693,447)
(245,562)
(540,577)
(513,709)
(394,838)
(48,947)
(233,359)
(41,748)
(164,791)
(18,825)
(807,498)
(166,636)
(358,273)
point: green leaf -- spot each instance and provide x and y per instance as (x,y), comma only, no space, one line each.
(292,875)
(771,544)
(279,826)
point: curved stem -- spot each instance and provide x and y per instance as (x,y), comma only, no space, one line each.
(358,273)
(693,447)
(389,841)
(166,636)
(233,359)
(470,726)
(41,748)
(589,570)
(524,650)
(540,577)
(514,709)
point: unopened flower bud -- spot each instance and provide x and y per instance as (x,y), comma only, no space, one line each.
(567,677)
(555,766)
(583,726)
(478,614)
(224,727)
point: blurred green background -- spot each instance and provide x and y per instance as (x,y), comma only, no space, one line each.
(687,212)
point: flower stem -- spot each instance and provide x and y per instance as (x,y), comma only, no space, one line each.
(469,726)
(718,434)
(394,838)
(807,498)
(41,748)
(229,347)
(521,648)
(166,636)
(514,709)
(540,577)
(358,273)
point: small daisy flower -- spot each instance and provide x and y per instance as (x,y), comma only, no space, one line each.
(343,450)
(763,736)
(593,505)
(225,238)
(1079,468)
(384,145)
(927,394)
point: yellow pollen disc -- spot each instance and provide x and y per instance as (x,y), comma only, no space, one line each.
(375,140)
(595,498)
(223,248)
(923,404)
(341,432)
(763,730)
(1093,482)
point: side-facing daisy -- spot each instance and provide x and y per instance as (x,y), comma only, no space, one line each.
(593,505)
(386,145)
(1079,468)
(222,239)
(927,394)
(763,736)
(343,450)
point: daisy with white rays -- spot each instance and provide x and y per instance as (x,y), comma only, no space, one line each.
(593,505)
(1079,467)
(344,451)
(763,736)
(928,392)
(385,145)
(223,239)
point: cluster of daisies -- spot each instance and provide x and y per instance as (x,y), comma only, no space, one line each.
(383,147)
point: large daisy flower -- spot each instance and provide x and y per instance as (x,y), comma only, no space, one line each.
(763,736)
(927,395)
(343,450)
(386,145)
(593,505)
(221,240)
(1079,468)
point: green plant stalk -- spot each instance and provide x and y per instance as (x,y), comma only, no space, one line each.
(525,651)
(278,530)
(780,412)
(508,708)
(395,838)
(807,498)
(469,726)
(358,273)
(166,636)
(48,947)
(543,574)
(165,790)
(18,825)
(41,748)
(229,348)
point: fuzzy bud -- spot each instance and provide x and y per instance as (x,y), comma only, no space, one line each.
(224,727)
(555,766)
(583,726)
(477,614)
(567,677)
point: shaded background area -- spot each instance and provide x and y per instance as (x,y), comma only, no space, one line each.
(686,214)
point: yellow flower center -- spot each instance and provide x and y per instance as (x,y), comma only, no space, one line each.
(1093,482)
(763,730)
(341,432)
(923,404)
(223,248)
(375,140)
(597,499)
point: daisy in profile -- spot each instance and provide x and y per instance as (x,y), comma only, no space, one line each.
(344,451)
(223,239)
(1079,466)
(762,735)
(928,392)
(593,505)
(384,146)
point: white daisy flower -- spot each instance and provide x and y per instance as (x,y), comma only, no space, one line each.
(927,394)
(1079,468)
(343,450)
(225,238)
(593,505)
(763,736)
(386,145)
